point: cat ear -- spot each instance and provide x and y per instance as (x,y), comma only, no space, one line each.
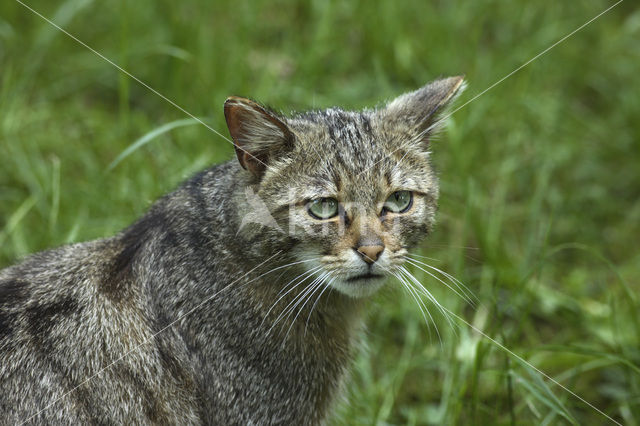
(417,112)
(256,132)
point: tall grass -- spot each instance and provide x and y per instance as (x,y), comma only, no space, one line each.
(540,176)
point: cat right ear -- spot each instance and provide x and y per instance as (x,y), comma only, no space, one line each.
(257,133)
(418,111)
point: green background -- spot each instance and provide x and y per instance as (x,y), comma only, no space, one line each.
(540,176)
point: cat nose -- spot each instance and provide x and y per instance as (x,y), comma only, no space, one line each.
(370,253)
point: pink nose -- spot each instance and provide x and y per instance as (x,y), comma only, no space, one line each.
(370,253)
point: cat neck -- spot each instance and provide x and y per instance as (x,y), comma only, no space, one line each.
(306,309)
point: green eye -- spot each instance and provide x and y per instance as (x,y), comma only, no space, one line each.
(323,208)
(398,202)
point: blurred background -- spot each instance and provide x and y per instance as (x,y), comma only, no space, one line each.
(540,191)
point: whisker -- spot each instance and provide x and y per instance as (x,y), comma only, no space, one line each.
(463,297)
(430,296)
(530,365)
(420,304)
(424,257)
(455,247)
(521,359)
(314,269)
(456,281)
(458,284)
(292,264)
(288,265)
(399,161)
(284,266)
(305,276)
(310,288)
(327,285)
(467,291)
(308,297)
(296,300)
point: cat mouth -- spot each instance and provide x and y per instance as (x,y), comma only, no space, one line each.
(368,276)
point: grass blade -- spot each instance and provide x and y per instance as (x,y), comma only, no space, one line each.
(148,137)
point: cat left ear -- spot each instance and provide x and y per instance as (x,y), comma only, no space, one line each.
(256,132)
(418,111)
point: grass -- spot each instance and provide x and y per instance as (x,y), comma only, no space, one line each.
(540,188)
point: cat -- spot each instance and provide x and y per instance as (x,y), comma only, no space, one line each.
(237,298)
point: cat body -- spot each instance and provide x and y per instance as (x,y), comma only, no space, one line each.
(196,315)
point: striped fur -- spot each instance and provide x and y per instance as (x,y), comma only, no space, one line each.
(178,318)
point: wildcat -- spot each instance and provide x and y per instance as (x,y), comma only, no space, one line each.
(195,314)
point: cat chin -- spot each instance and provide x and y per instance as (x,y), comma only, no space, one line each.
(359,287)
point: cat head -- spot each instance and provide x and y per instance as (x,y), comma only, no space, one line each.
(349,192)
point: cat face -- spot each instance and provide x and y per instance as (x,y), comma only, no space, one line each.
(352,191)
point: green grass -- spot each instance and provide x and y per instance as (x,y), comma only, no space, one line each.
(540,200)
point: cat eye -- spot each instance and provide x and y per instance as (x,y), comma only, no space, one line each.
(323,208)
(398,202)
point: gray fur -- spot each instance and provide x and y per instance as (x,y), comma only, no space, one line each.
(180,307)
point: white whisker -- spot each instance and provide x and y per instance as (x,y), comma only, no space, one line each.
(327,285)
(420,304)
(283,266)
(451,314)
(456,281)
(451,246)
(464,295)
(424,257)
(304,276)
(308,297)
(296,300)
(524,361)
(427,293)
(292,264)
(284,287)
(448,246)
